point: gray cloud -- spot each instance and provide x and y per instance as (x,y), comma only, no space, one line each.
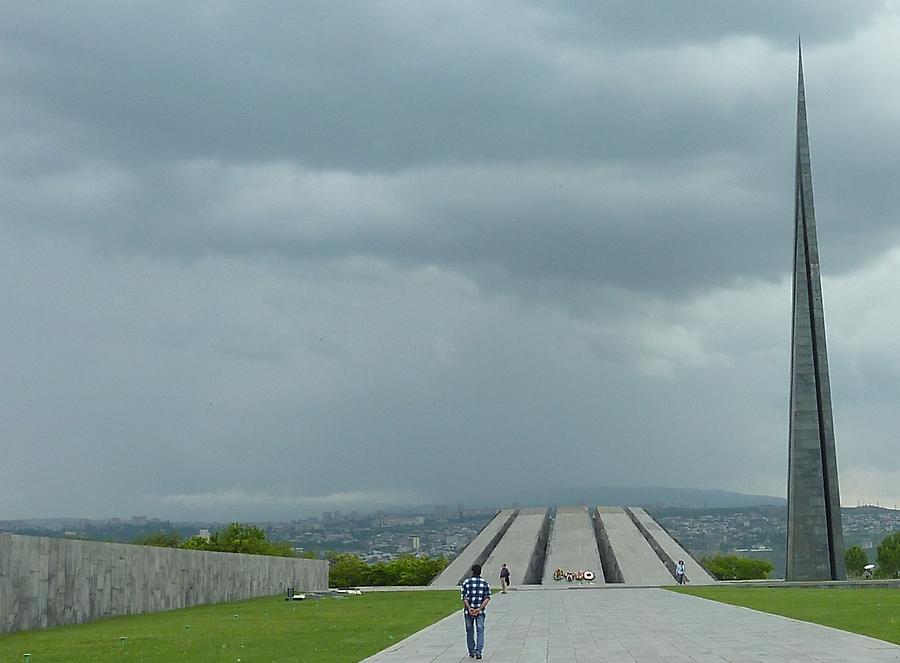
(387,84)
(648,24)
(261,260)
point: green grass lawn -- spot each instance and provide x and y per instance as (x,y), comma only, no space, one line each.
(873,612)
(269,629)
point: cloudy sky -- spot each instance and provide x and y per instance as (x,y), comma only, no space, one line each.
(258,260)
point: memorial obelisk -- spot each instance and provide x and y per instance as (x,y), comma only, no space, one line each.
(815,540)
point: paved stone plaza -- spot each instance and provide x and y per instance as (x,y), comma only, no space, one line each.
(632,624)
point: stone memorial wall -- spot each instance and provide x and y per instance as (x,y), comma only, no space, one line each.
(54,582)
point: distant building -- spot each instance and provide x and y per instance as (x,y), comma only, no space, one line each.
(399,521)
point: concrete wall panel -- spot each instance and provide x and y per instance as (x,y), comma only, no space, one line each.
(519,548)
(669,548)
(573,546)
(53,582)
(476,552)
(637,561)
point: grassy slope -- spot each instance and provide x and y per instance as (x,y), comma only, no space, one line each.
(269,629)
(872,612)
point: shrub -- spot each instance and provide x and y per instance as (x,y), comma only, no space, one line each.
(734,567)
(348,570)
(855,559)
(159,539)
(240,538)
(889,556)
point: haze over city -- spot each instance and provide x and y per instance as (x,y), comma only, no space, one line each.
(265,260)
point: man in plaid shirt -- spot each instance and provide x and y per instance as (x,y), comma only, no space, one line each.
(476,593)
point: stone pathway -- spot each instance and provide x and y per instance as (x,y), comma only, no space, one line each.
(617,624)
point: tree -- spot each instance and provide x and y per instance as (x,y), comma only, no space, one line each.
(349,570)
(240,538)
(159,539)
(420,570)
(889,556)
(195,543)
(855,558)
(734,567)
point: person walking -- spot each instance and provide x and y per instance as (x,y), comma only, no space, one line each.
(679,572)
(504,578)
(476,594)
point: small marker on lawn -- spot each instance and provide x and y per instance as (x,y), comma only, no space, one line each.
(124,641)
(26,657)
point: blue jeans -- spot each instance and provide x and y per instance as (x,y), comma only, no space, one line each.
(475,626)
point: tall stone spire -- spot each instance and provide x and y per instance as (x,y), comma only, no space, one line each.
(815,540)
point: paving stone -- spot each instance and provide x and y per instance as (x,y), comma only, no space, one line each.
(635,625)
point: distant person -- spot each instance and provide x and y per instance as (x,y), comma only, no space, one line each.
(504,578)
(679,572)
(476,593)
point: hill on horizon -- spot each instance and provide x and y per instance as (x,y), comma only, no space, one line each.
(656,496)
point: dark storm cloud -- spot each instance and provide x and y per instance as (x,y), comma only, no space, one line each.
(648,23)
(387,84)
(391,87)
(528,223)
